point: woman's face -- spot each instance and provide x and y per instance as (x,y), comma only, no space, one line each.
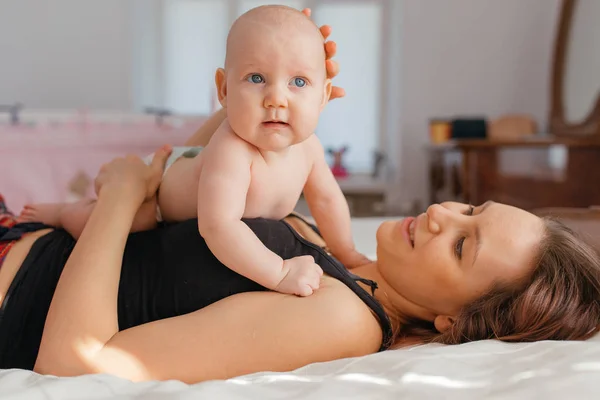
(452,254)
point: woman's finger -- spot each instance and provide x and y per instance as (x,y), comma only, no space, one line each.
(160,159)
(325,31)
(330,49)
(332,68)
(157,167)
(336,92)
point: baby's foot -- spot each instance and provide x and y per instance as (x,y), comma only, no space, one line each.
(46,213)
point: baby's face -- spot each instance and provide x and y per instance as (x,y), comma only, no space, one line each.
(276,87)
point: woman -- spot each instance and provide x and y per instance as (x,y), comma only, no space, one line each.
(454,274)
(134,306)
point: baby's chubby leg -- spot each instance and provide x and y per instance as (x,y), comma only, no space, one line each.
(46,213)
(145,219)
(69,216)
(72,217)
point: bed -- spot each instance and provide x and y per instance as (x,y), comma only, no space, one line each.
(488,369)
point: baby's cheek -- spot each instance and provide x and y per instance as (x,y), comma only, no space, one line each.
(240,119)
(241,107)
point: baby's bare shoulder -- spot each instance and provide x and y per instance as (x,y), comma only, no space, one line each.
(306,149)
(229,145)
(312,148)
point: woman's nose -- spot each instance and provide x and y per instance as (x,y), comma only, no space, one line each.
(437,215)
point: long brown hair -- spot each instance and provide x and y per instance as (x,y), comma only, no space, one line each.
(559,300)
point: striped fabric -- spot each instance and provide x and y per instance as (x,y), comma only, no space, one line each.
(7,221)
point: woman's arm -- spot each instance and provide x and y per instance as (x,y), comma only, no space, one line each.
(241,334)
(83,313)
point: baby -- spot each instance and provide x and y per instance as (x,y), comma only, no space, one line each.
(259,161)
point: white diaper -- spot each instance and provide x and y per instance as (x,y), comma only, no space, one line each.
(178,151)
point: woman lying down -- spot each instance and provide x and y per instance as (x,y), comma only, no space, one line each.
(158,305)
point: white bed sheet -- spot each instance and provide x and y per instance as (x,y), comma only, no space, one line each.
(488,369)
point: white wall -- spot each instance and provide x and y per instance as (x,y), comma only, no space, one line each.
(66,53)
(469,57)
(455,57)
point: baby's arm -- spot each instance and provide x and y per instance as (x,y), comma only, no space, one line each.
(329,208)
(222,191)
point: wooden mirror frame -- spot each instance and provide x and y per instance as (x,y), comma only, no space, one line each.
(559,126)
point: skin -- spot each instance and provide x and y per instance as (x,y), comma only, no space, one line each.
(256,167)
(447,268)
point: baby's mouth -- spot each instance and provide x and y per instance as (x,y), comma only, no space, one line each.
(275,124)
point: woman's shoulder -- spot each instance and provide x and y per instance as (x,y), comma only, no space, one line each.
(330,324)
(346,317)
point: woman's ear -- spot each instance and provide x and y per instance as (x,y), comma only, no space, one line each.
(443,322)
(221,83)
(326,93)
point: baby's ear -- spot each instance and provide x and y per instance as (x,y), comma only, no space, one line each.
(221,83)
(326,93)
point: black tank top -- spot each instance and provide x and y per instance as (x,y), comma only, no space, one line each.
(166,272)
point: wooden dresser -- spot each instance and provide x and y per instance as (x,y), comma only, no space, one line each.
(528,173)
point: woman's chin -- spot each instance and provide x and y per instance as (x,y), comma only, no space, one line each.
(385,232)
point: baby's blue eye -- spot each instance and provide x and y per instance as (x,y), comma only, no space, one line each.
(299,82)
(255,78)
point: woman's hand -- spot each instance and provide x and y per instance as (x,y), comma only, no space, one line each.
(331,66)
(131,175)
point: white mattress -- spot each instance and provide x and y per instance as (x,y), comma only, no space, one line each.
(489,369)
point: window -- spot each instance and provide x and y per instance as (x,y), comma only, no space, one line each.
(190,37)
(354,121)
(194,35)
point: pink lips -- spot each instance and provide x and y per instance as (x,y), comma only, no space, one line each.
(404,227)
(274,125)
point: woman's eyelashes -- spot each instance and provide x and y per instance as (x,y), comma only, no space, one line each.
(458,246)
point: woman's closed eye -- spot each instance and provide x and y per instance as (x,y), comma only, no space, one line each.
(459,243)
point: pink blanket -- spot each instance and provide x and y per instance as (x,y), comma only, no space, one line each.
(46,164)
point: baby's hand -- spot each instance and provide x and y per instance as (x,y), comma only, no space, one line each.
(303,276)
